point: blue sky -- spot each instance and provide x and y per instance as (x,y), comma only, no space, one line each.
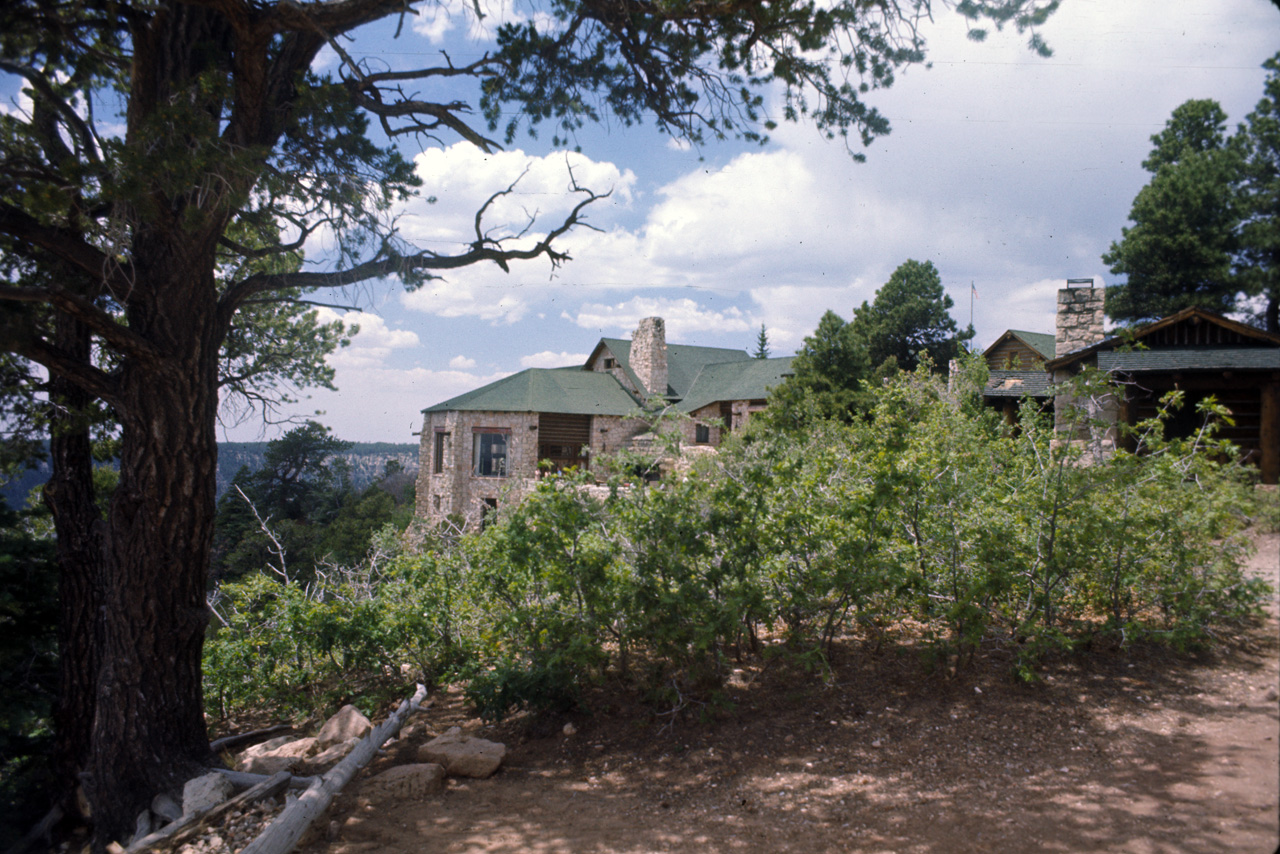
(1004,169)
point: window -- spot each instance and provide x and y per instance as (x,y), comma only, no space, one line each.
(490,455)
(488,512)
(435,503)
(702,434)
(610,363)
(442,448)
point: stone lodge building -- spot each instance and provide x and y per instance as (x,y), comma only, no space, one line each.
(1195,351)
(485,446)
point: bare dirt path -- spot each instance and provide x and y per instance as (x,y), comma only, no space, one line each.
(1129,752)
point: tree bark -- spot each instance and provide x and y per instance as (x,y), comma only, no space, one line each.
(149,733)
(69,494)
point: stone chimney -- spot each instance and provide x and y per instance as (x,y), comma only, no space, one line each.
(1080,316)
(649,355)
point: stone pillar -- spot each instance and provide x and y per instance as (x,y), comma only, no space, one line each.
(649,355)
(1080,315)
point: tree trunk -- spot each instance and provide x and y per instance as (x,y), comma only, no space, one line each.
(149,734)
(70,497)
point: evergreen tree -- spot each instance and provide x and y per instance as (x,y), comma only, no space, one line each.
(232,149)
(1179,250)
(762,344)
(827,376)
(1257,265)
(910,315)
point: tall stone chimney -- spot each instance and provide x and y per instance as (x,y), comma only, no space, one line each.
(1080,314)
(649,355)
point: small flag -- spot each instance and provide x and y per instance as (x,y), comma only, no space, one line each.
(972,290)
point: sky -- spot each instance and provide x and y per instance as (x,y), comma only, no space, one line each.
(1010,172)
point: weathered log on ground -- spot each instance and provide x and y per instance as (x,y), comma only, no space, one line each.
(283,834)
(248,739)
(245,779)
(175,833)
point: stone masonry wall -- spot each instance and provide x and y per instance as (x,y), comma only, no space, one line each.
(1092,421)
(1080,316)
(457,489)
(649,355)
(612,433)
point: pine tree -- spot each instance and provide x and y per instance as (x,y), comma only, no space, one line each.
(762,344)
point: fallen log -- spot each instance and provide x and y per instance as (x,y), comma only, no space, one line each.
(177,832)
(283,834)
(245,779)
(247,739)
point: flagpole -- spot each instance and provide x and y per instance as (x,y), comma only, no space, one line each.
(972,291)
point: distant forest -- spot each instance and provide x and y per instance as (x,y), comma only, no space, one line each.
(368,460)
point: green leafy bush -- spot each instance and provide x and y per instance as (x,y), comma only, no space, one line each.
(929,512)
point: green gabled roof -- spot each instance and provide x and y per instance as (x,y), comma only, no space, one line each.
(1017,384)
(1192,359)
(1251,334)
(568,391)
(684,361)
(1042,342)
(621,350)
(745,379)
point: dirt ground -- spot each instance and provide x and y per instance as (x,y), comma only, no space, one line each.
(1127,752)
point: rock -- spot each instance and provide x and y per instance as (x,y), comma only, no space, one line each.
(204,793)
(347,723)
(266,746)
(463,755)
(406,781)
(279,754)
(166,808)
(301,748)
(570,729)
(325,760)
(270,764)
(142,826)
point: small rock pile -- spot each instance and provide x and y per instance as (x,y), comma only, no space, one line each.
(312,755)
(238,829)
(452,754)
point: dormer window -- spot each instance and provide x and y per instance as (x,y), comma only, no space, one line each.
(610,363)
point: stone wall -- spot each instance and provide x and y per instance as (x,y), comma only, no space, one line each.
(1080,317)
(649,355)
(456,490)
(613,433)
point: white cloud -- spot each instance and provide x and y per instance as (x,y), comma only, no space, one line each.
(462,179)
(684,318)
(791,312)
(450,299)
(462,363)
(372,345)
(436,21)
(551,359)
